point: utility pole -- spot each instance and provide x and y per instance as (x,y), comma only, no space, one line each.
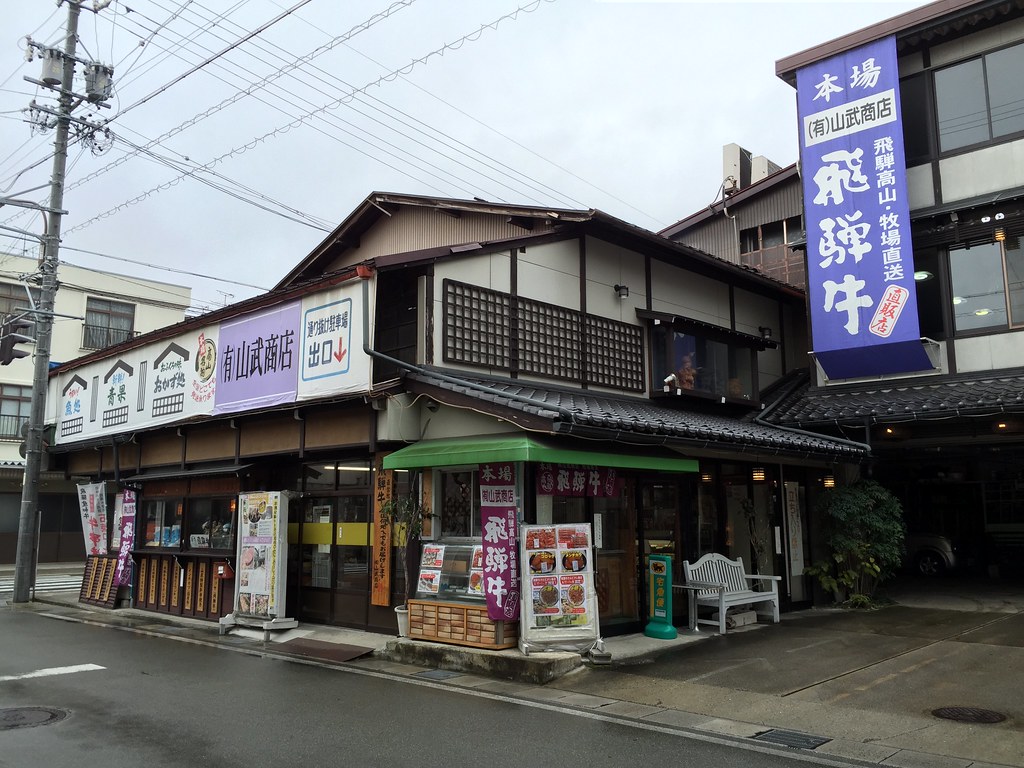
(28,524)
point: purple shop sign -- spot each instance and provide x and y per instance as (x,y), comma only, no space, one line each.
(259,360)
(498,522)
(860,264)
(123,574)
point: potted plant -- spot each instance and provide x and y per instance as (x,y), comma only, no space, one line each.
(405,515)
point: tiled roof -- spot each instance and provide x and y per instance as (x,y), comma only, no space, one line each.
(581,412)
(901,400)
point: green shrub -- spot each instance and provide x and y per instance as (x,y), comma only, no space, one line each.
(864,533)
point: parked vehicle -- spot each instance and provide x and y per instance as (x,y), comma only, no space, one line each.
(930,554)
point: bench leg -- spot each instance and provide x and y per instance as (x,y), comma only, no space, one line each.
(721,612)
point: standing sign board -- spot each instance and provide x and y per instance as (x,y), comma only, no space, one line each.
(260,570)
(659,575)
(860,266)
(559,599)
(92,505)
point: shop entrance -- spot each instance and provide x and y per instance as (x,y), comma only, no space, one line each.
(613,521)
(661,533)
(333,558)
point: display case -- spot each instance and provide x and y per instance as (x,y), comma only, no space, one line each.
(451,570)
(449,606)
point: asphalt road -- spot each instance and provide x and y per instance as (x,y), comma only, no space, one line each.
(142,701)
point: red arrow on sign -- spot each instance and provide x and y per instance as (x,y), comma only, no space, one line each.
(340,354)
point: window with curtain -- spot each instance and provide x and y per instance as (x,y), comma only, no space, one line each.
(107,322)
(15,408)
(14,298)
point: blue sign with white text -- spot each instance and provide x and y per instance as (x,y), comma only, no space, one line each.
(860,265)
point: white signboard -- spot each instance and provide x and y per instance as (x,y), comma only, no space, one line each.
(333,360)
(270,356)
(160,383)
(559,599)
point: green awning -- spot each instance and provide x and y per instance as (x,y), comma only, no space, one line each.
(487,449)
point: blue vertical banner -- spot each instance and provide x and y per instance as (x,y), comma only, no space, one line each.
(860,264)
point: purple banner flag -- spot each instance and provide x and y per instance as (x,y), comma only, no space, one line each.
(123,574)
(860,266)
(499,523)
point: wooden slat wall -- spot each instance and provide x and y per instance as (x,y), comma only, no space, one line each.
(184,586)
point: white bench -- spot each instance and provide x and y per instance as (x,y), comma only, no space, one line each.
(722,583)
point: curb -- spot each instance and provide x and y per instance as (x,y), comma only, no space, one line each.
(536,669)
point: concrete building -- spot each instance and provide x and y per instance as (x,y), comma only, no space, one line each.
(943,407)
(96,309)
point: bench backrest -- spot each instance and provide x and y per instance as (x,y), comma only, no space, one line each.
(717,569)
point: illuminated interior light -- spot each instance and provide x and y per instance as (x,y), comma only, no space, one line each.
(922,275)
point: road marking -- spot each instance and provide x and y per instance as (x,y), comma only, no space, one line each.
(50,672)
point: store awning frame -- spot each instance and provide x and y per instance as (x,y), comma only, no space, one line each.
(173,474)
(489,449)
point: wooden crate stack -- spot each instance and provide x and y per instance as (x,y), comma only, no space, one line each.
(459,624)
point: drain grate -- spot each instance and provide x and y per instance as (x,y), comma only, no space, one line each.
(29,717)
(792,739)
(438,674)
(969,714)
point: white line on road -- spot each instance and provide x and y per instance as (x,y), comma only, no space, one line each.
(53,671)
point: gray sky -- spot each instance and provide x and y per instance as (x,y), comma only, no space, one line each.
(619,106)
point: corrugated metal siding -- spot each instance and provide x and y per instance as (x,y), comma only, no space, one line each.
(419,228)
(781,203)
(720,235)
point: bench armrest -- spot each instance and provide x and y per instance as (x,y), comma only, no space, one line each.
(759,576)
(705,585)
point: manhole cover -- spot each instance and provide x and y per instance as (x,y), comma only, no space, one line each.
(29,717)
(969,714)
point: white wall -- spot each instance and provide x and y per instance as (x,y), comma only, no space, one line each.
(157,305)
(986,170)
(686,294)
(986,353)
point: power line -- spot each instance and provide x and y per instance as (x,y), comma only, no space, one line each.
(259,30)
(175,165)
(165,268)
(329,80)
(303,119)
(248,91)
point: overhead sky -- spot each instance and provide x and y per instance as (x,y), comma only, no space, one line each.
(225,177)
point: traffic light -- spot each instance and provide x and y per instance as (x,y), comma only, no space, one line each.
(11,333)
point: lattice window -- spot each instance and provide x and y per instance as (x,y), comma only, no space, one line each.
(615,354)
(549,340)
(546,339)
(477,325)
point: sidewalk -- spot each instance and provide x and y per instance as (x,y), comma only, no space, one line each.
(853,685)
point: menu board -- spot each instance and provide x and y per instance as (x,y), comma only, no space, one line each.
(560,604)
(429,581)
(262,551)
(433,556)
(476,572)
